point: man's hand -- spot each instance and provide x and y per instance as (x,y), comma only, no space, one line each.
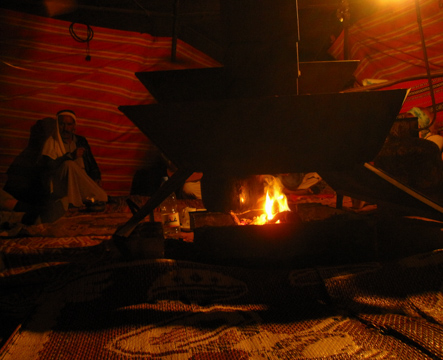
(78,153)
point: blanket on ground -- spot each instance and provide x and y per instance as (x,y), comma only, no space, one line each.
(172,309)
(50,268)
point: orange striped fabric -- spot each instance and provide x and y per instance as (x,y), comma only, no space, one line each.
(388,45)
(43,70)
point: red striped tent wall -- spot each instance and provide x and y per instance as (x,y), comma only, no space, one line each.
(388,45)
(43,70)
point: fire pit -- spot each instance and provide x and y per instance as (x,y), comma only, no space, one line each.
(247,119)
(237,137)
(335,240)
(233,140)
(306,235)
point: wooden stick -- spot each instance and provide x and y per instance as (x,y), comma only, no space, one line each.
(405,188)
(174,182)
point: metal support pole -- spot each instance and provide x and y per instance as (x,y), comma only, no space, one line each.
(175,24)
(298,41)
(344,16)
(425,56)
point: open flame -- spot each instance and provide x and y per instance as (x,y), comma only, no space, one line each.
(275,201)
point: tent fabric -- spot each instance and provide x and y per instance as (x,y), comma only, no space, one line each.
(388,45)
(43,69)
(388,42)
(419,95)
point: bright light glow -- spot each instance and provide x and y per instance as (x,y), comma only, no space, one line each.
(242,197)
(275,202)
(390,2)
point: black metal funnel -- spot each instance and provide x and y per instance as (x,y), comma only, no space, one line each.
(265,135)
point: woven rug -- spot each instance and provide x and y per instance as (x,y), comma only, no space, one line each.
(166,309)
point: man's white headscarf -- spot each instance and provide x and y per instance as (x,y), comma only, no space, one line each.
(423,121)
(53,146)
(68,113)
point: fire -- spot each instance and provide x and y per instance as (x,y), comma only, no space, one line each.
(275,201)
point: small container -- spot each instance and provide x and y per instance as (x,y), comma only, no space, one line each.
(170,218)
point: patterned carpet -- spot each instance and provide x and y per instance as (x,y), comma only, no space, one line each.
(33,258)
(166,309)
(66,293)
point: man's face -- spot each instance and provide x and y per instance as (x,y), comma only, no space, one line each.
(66,125)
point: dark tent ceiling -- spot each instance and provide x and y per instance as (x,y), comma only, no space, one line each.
(199,21)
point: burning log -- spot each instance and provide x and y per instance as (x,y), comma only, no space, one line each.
(252,200)
(286,217)
(267,209)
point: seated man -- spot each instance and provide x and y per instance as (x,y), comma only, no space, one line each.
(71,169)
(415,161)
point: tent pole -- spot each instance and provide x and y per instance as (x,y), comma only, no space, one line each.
(174,32)
(425,56)
(344,16)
